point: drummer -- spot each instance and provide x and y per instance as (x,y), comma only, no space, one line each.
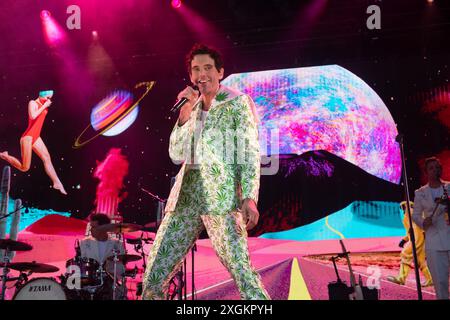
(99,246)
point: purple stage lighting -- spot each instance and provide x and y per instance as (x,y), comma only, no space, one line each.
(176,4)
(45,14)
(53,33)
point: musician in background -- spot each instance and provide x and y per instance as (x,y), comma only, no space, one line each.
(407,254)
(100,247)
(431,214)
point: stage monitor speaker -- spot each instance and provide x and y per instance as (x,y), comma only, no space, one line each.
(340,291)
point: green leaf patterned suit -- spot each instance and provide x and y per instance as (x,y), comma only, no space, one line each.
(220,159)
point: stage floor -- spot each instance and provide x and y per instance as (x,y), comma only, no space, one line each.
(290,269)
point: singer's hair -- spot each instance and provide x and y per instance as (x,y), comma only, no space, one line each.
(430,160)
(101,218)
(200,48)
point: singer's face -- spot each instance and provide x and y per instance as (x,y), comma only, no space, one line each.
(205,75)
(433,170)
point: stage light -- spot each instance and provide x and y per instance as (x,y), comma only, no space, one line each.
(176,4)
(94,35)
(53,33)
(45,14)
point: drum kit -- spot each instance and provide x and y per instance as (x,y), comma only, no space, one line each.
(95,281)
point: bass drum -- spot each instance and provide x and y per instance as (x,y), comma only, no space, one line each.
(40,289)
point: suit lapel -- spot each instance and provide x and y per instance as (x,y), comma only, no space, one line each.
(223,96)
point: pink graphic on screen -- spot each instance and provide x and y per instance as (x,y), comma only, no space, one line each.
(325,108)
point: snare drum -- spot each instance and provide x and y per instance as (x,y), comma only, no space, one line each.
(40,289)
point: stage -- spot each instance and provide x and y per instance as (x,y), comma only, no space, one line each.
(315,121)
(290,270)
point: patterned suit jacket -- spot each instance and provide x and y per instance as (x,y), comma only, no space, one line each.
(226,152)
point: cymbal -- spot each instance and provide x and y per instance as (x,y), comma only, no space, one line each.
(150,227)
(33,267)
(125,258)
(13,245)
(119,227)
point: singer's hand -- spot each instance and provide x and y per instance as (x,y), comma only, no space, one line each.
(185,111)
(250,213)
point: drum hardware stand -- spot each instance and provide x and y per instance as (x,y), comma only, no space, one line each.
(132,274)
(181,275)
(159,217)
(161,204)
(400,140)
(23,277)
(139,248)
(93,289)
(116,259)
(5,273)
(6,258)
(194,248)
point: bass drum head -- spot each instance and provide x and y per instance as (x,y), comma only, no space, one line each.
(41,289)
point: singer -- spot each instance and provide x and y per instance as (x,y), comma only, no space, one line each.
(431,214)
(210,190)
(31,140)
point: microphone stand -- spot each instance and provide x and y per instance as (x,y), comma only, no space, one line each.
(161,204)
(412,238)
(11,213)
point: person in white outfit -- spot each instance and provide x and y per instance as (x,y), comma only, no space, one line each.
(99,246)
(431,214)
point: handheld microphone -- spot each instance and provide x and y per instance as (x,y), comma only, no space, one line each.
(181,102)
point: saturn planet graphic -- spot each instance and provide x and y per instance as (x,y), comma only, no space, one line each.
(114,114)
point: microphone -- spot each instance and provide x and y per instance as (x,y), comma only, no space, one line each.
(181,102)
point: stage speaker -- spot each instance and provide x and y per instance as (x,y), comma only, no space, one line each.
(339,291)
(370,294)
